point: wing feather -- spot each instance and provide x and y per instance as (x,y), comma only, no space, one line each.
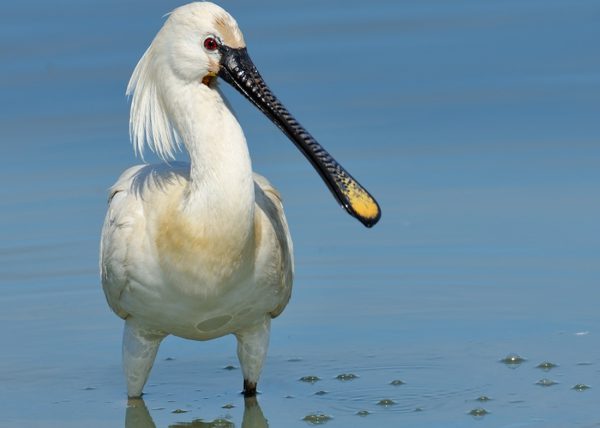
(269,201)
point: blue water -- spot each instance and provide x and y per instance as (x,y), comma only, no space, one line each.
(474,123)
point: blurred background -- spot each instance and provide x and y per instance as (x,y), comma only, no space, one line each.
(475,124)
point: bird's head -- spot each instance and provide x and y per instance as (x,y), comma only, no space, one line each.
(198,43)
(192,39)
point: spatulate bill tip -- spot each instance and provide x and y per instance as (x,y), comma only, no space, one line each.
(367,212)
(358,202)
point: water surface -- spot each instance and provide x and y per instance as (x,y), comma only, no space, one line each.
(475,123)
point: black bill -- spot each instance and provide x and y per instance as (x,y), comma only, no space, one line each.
(239,71)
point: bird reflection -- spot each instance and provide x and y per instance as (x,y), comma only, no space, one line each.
(138,416)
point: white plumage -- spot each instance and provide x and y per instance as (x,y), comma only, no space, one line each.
(202,250)
(196,250)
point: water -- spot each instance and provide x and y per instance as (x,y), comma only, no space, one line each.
(474,123)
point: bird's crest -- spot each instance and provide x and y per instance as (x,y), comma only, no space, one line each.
(148,121)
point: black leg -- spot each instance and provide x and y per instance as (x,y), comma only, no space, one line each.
(249,388)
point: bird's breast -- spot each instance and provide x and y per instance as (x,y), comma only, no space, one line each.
(201,257)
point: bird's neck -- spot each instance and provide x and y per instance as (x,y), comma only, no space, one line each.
(221,186)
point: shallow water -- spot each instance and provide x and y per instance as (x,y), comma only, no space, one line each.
(474,123)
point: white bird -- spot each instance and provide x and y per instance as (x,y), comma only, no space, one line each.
(202,250)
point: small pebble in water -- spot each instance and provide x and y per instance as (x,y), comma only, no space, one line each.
(483,398)
(317,418)
(310,379)
(581,387)
(346,376)
(397,382)
(228,406)
(546,365)
(386,402)
(478,412)
(229,367)
(363,413)
(513,359)
(179,411)
(546,382)
(321,392)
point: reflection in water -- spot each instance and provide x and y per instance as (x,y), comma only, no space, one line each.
(138,416)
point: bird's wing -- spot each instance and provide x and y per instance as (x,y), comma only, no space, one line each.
(124,255)
(268,200)
(123,215)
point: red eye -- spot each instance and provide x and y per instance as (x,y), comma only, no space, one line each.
(210,44)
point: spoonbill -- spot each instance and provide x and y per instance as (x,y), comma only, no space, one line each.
(202,250)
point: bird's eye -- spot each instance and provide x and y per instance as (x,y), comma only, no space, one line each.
(211,44)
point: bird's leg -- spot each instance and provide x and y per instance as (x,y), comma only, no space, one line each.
(139,351)
(252,350)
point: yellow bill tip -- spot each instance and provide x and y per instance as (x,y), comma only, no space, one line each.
(362,205)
